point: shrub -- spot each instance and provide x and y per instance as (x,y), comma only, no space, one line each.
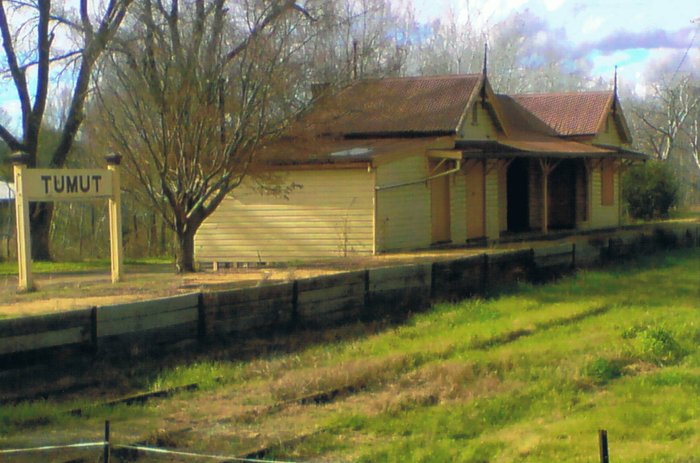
(603,370)
(650,190)
(658,346)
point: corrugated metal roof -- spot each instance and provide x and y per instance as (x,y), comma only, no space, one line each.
(334,151)
(569,114)
(7,191)
(422,105)
(556,146)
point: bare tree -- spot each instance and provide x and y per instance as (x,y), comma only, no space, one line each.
(192,89)
(665,124)
(665,116)
(360,39)
(34,45)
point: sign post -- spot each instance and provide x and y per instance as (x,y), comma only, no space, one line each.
(24,243)
(48,185)
(115,219)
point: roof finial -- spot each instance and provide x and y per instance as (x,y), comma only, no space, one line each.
(486,55)
(614,103)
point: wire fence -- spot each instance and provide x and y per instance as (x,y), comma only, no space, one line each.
(108,446)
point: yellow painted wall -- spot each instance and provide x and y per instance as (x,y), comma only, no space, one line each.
(610,134)
(480,127)
(458,208)
(474,199)
(492,201)
(403,213)
(502,197)
(330,216)
(603,216)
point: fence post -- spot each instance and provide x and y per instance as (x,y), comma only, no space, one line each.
(484,283)
(201,318)
(106,447)
(603,444)
(93,330)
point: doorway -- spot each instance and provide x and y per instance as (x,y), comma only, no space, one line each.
(562,195)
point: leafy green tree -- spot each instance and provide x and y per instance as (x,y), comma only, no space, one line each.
(650,190)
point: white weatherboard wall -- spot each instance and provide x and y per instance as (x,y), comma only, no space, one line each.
(331,215)
(403,213)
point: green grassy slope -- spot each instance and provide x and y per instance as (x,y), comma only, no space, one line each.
(530,376)
(533,376)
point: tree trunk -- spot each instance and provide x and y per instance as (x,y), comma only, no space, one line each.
(40,223)
(185,252)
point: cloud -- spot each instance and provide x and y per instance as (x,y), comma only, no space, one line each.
(553,5)
(652,39)
(591,25)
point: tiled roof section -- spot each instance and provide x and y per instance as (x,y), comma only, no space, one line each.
(521,123)
(569,114)
(418,105)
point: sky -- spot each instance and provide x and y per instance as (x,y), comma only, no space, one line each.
(641,37)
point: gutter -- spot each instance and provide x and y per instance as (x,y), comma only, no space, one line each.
(456,169)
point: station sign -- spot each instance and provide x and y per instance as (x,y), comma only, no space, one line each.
(45,185)
(49,185)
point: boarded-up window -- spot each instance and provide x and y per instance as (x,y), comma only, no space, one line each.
(607,183)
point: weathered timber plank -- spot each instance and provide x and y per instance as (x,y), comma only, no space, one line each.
(139,309)
(221,298)
(337,316)
(214,313)
(252,324)
(330,281)
(41,323)
(317,309)
(263,314)
(560,249)
(506,269)
(44,339)
(510,256)
(458,278)
(391,278)
(587,254)
(356,289)
(152,336)
(145,322)
(554,260)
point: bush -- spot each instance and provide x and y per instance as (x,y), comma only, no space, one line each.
(603,370)
(655,344)
(658,346)
(650,190)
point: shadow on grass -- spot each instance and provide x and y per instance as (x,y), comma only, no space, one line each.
(107,374)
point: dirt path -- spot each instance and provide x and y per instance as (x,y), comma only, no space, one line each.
(58,292)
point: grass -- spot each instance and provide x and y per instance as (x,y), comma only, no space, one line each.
(529,376)
(89,265)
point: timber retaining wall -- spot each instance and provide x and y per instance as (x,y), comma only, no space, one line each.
(312,302)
